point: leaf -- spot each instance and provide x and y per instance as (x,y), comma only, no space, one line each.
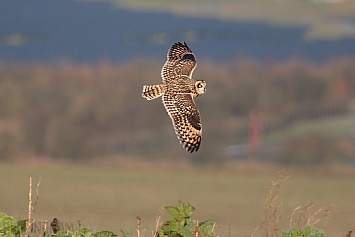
(84,231)
(20,227)
(207,227)
(171,226)
(21,224)
(160,233)
(8,235)
(182,225)
(293,232)
(189,229)
(104,234)
(175,212)
(310,231)
(7,223)
(186,209)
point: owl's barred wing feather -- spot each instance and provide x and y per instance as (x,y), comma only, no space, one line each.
(180,61)
(152,92)
(178,51)
(186,119)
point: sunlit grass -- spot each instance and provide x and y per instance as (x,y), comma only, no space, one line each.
(342,125)
(318,16)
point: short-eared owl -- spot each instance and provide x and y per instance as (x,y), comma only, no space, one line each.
(178,90)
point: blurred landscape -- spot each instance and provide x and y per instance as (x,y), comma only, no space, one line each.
(88,32)
(71,83)
(324,19)
(280,95)
(305,112)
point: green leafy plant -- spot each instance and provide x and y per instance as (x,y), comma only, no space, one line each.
(105,234)
(307,231)
(182,225)
(9,227)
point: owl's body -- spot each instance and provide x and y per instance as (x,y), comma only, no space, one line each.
(177,91)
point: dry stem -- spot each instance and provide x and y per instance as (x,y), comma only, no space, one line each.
(31,208)
(272,207)
(29,220)
(45,227)
(139,219)
(197,231)
(157,221)
(292,215)
(306,218)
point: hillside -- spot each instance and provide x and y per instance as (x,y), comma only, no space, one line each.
(90,32)
(324,19)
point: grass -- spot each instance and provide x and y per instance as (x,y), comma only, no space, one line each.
(318,16)
(343,125)
(109,197)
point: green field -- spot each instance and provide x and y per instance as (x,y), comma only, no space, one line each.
(109,197)
(332,126)
(323,18)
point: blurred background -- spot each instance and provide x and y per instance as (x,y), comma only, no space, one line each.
(280,74)
(280,82)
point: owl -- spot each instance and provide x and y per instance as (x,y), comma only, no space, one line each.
(178,92)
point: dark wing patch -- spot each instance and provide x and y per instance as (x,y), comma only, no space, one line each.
(189,57)
(178,50)
(194,120)
(186,120)
(180,61)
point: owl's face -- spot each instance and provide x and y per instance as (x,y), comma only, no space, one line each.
(200,87)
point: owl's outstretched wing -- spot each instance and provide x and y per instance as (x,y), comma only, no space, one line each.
(180,61)
(186,119)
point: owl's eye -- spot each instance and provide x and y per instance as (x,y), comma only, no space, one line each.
(199,85)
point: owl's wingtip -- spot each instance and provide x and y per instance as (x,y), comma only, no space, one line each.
(191,148)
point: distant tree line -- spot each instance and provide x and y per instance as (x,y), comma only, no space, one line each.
(90,111)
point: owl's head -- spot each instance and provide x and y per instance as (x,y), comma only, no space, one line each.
(200,86)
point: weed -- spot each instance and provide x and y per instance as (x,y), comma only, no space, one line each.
(9,227)
(307,231)
(304,217)
(302,221)
(272,208)
(181,225)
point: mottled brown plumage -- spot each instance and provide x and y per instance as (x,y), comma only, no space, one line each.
(177,91)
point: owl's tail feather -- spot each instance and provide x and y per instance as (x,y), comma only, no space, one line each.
(152,92)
